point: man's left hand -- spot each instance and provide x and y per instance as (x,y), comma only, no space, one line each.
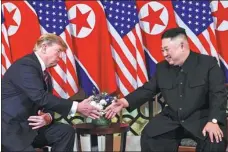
(42,119)
(214,131)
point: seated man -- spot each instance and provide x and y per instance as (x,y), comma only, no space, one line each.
(26,88)
(192,85)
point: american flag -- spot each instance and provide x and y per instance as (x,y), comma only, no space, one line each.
(5,54)
(196,18)
(126,44)
(53,19)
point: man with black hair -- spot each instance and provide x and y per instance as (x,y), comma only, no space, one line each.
(193,87)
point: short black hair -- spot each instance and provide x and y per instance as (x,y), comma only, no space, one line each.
(173,32)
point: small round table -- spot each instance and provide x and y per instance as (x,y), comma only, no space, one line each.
(88,128)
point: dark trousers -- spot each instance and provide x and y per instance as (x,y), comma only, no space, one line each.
(60,137)
(169,142)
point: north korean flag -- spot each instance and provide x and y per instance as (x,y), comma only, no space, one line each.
(22,27)
(219,12)
(154,18)
(92,45)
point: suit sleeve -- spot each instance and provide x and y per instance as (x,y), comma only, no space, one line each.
(143,94)
(217,93)
(30,82)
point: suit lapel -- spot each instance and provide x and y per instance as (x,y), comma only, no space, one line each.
(35,59)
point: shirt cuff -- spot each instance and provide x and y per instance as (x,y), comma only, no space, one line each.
(73,109)
(50,118)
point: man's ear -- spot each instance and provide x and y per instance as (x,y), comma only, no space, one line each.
(43,48)
(182,45)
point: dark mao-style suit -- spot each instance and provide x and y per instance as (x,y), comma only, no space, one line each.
(24,92)
(191,104)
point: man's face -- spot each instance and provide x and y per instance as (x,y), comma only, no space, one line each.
(53,53)
(171,51)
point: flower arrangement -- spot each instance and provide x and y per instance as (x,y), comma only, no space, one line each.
(101,101)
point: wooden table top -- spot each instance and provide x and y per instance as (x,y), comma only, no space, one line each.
(89,128)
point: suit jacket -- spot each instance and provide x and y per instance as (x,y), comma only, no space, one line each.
(204,96)
(24,91)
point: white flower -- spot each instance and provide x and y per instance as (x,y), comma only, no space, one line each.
(99,106)
(93,103)
(102,113)
(103,102)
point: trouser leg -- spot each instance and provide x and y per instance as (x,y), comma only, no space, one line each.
(167,142)
(27,149)
(207,146)
(58,135)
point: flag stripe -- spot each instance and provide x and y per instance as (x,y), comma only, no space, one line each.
(124,80)
(126,44)
(123,69)
(204,42)
(122,45)
(88,75)
(3,70)
(211,38)
(124,91)
(71,73)
(192,37)
(6,54)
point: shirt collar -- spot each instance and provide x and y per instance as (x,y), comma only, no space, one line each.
(43,67)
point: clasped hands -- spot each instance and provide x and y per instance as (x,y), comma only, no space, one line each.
(88,110)
(114,108)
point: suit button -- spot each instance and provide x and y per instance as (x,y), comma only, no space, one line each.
(181,83)
(182,70)
(180,108)
(181,95)
(182,120)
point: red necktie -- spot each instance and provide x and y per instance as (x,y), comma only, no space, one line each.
(46,77)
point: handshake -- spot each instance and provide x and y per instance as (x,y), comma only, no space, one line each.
(101,104)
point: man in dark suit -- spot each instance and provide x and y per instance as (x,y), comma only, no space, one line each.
(26,89)
(193,87)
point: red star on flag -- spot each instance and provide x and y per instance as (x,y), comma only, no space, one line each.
(80,20)
(9,18)
(153,17)
(221,14)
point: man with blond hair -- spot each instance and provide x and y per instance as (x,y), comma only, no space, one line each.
(26,90)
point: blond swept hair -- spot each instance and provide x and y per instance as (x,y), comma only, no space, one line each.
(49,39)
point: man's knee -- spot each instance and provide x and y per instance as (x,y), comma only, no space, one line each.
(208,146)
(67,129)
(158,144)
(64,130)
